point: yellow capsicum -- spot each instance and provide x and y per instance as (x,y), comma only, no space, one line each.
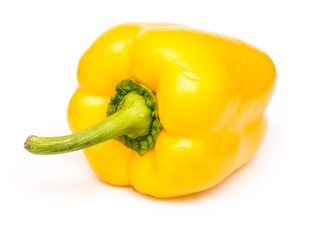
(191,112)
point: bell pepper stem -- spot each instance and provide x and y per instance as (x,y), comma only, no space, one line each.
(132,119)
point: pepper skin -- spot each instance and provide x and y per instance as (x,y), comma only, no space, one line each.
(212,92)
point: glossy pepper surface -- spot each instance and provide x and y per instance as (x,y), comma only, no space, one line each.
(211,93)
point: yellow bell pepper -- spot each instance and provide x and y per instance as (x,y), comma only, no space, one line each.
(191,112)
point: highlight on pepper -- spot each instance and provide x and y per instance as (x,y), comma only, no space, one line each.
(166,109)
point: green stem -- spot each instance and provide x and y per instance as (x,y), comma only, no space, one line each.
(132,123)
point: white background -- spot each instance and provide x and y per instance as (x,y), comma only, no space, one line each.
(59,197)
